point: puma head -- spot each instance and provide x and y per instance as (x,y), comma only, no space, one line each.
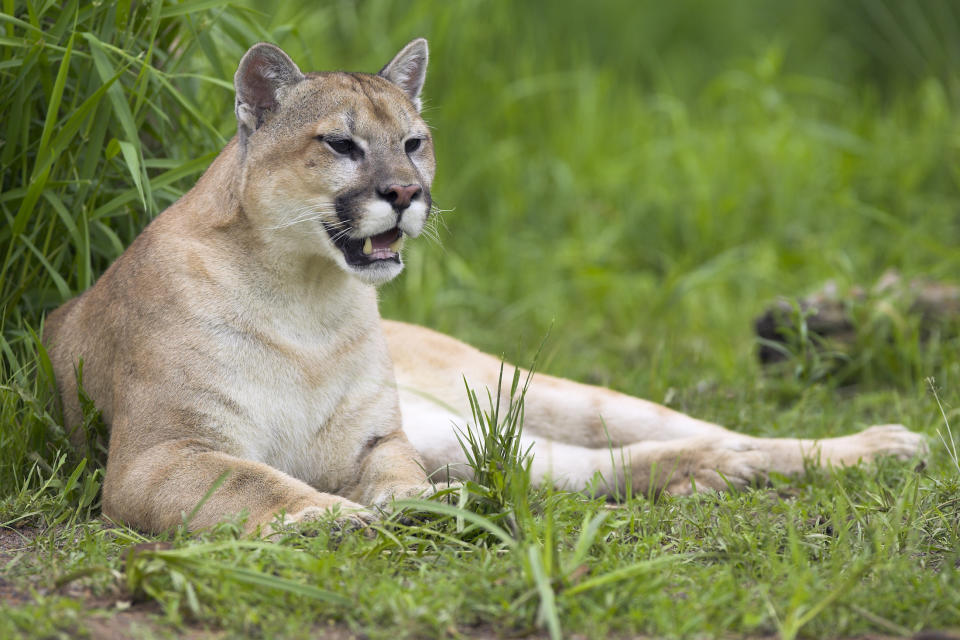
(335,164)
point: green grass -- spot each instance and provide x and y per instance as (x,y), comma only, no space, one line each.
(637,179)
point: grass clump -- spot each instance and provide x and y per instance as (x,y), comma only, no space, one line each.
(501,493)
(96,107)
(492,445)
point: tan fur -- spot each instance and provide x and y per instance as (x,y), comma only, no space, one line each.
(239,336)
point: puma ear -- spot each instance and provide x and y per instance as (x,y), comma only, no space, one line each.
(263,71)
(408,69)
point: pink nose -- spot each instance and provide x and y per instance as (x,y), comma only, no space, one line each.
(400,196)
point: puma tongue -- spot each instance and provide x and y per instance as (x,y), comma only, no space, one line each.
(383,245)
(385,239)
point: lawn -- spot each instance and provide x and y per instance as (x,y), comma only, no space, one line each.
(637,181)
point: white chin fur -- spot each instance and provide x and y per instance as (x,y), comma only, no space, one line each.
(377,273)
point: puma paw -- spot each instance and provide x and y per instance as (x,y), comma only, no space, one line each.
(880,440)
(422,491)
(347,516)
(344,516)
(418,490)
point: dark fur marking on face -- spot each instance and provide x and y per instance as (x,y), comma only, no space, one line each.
(347,205)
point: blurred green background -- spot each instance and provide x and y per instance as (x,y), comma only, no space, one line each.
(641,176)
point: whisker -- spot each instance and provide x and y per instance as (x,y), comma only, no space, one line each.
(318,212)
(340,234)
(431,230)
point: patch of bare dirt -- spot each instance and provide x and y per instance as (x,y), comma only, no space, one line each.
(14,540)
(139,621)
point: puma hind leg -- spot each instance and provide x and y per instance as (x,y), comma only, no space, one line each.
(580,431)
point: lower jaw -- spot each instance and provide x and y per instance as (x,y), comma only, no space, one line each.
(376,273)
(378,258)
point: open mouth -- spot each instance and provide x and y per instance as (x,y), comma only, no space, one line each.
(360,252)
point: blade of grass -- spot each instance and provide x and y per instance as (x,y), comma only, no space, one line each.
(469,516)
(627,572)
(548,604)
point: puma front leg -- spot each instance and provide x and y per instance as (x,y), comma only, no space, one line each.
(390,468)
(154,490)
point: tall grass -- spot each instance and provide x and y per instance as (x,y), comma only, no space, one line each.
(102,129)
(500,505)
(105,122)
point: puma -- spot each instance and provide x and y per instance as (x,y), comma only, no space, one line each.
(238,336)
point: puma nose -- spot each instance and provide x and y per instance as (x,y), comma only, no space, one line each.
(400,196)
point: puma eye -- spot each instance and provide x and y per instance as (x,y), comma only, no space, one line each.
(343,146)
(412,145)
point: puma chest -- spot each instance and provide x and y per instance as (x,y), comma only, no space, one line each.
(308,398)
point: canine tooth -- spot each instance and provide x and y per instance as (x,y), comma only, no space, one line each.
(396,244)
(367,247)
